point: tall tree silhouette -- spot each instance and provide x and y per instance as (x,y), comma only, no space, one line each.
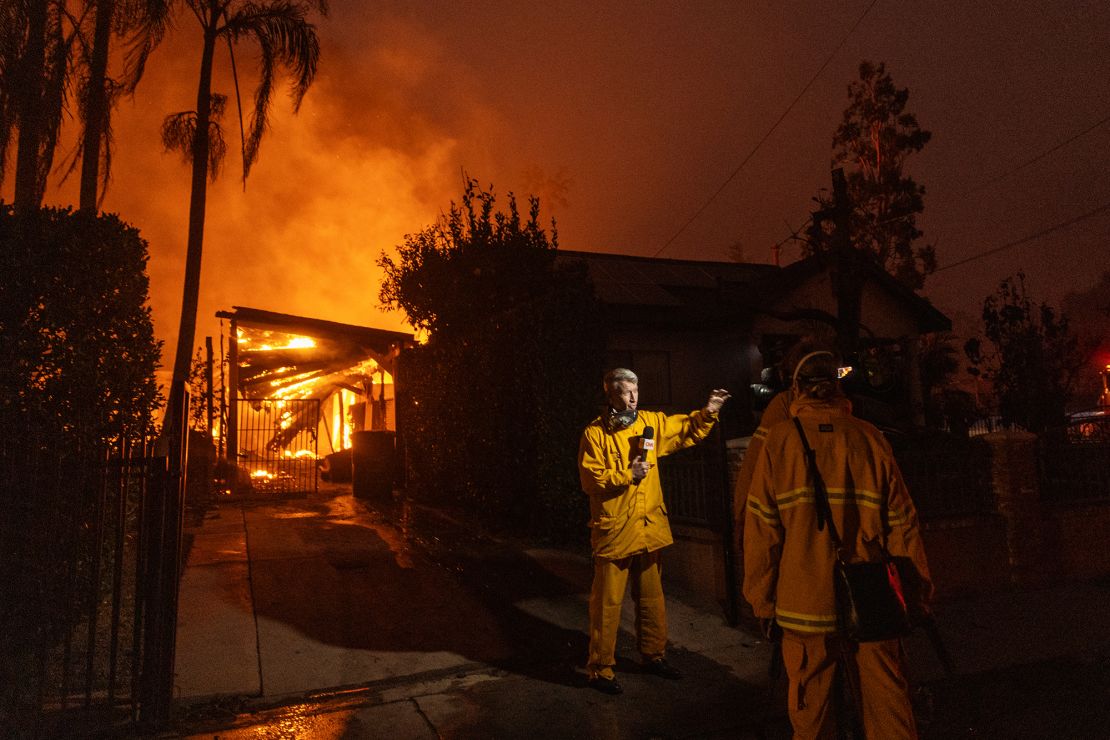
(285,39)
(50,49)
(35,39)
(872,144)
(140,25)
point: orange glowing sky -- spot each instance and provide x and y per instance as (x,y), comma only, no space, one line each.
(624,118)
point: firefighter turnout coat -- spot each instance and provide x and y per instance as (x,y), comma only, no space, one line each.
(788,562)
(777,410)
(628,518)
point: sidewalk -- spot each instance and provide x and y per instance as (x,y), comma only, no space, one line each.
(325,618)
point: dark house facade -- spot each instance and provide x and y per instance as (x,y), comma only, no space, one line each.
(686,327)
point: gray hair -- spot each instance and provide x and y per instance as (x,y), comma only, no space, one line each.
(618,374)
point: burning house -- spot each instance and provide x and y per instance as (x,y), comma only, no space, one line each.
(301,392)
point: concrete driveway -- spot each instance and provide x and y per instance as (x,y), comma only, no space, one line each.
(328,598)
(330,618)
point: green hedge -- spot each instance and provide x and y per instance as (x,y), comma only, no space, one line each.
(493,405)
(77,361)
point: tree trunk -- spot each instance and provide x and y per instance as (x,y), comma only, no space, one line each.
(190,297)
(30,115)
(96,106)
(847,277)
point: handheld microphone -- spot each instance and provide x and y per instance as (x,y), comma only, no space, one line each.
(647,441)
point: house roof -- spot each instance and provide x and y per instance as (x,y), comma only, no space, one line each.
(281,355)
(380,341)
(699,289)
(621,279)
(927,317)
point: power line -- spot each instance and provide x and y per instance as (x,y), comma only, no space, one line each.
(1029,238)
(1037,158)
(767,135)
(793,233)
(1032,160)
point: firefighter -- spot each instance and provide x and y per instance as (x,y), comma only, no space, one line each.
(628,521)
(777,410)
(788,562)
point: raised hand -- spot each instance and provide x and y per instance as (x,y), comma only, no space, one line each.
(717,397)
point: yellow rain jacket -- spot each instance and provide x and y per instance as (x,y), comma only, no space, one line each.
(627,518)
(788,563)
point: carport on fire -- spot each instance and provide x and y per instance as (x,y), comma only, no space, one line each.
(299,389)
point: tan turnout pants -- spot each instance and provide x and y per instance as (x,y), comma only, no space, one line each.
(882,699)
(606,596)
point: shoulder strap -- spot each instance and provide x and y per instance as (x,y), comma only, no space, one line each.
(820,493)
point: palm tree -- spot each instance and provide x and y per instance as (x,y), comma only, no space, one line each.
(142,23)
(35,66)
(285,39)
(47,51)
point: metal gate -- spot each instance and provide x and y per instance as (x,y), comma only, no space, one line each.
(1075,461)
(695,484)
(277,445)
(90,583)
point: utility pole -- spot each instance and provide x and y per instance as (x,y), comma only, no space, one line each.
(208,383)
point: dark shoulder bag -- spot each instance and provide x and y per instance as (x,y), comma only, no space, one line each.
(870,602)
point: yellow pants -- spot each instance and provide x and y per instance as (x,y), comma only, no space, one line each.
(610,581)
(876,672)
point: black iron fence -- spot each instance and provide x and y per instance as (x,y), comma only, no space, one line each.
(695,484)
(88,585)
(1075,462)
(277,444)
(948,477)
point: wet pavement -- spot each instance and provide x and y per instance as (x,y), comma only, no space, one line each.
(326,617)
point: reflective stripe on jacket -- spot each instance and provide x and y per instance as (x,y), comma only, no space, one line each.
(777,410)
(788,563)
(628,518)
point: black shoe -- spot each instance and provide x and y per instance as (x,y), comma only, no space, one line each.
(606,685)
(660,667)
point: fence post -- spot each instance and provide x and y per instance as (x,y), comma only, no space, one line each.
(163,560)
(1016,485)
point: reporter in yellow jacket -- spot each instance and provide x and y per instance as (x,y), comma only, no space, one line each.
(628,519)
(788,562)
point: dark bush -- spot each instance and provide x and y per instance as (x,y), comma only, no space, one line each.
(77,361)
(494,403)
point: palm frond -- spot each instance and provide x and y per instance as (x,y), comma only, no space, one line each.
(217,146)
(84,31)
(285,39)
(238,103)
(178,132)
(108,140)
(289,34)
(144,23)
(68,165)
(55,79)
(113,90)
(259,116)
